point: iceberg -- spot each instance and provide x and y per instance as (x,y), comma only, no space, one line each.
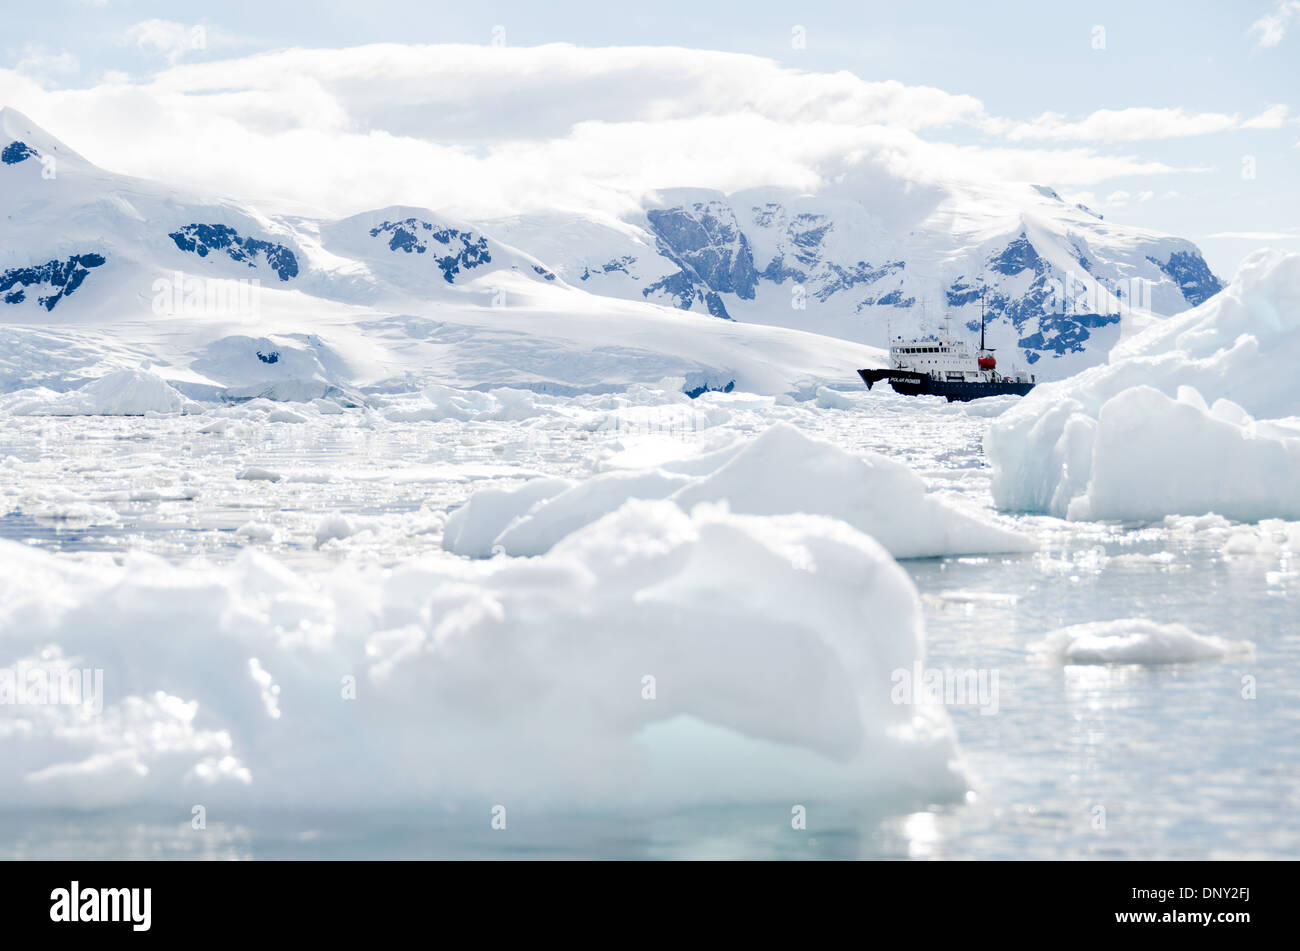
(447,680)
(780,472)
(1183,420)
(120,393)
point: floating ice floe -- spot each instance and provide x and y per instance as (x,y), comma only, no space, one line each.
(1179,422)
(770,641)
(780,472)
(333,527)
(258,474)
(1135,641)
(120,393)
(1270,538)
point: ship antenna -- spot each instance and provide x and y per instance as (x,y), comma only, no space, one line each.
(981,319)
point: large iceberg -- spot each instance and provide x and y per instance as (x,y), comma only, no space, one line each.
(782,471)
(1184,419)
(770,641)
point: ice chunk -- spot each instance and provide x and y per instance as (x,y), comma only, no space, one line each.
(785,471)
(1146,456)
(781,472)
(120,393)
(258,474)
(1172,425)
(836,399)
(1135,641)
(540,529)
(332,527)
(529,678)
(1232,346)
(261,531)
(473,528)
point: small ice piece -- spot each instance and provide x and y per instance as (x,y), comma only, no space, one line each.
(333,526)
(836,399)
(261,531)
(257,473)
(285,416)
(1135,641)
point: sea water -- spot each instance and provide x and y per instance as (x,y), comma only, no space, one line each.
(1160,761)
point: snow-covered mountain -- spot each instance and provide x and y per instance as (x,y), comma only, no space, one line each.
(764,290)
(100,271)
(876,258)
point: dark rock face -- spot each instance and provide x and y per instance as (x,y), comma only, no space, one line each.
(451,249)
(683,290)
(1017,256)
(16,152)
(1060,330)
(1192,275)
(62,277)
(697,391)
(714,256)
(706,242)
(204,239)
(618,264)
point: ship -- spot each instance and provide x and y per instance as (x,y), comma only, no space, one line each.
(940,365)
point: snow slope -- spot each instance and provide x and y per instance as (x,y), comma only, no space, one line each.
(101,271)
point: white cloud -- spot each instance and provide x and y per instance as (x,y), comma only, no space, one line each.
(482,131)
(173,41)
(1134,124)
(1274,117)
(46,65)
(1256,235)
(1271,27)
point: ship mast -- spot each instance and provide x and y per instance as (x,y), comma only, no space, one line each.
(981,318)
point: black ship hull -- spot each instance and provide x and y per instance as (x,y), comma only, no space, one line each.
(911,383)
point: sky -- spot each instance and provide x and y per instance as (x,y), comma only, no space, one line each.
(1180,117)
